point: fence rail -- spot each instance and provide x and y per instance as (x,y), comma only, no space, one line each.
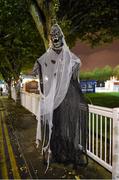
(103,132)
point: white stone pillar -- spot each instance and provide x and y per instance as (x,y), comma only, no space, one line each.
(115,150)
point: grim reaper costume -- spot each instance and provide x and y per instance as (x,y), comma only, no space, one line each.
(62,108)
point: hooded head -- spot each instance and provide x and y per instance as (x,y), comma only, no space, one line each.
(56,37)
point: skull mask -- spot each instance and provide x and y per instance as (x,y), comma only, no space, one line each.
(56,37)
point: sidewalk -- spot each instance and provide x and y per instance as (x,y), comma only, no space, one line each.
(24,125)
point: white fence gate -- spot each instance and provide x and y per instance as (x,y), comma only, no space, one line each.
(103,132)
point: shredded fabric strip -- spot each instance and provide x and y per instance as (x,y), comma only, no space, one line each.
(56,71)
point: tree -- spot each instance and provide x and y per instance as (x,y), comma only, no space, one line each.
(1,76)
(93,21)
(116,71)
(43,12)
(20,43)
(99,74)
(87,75)
(107,72)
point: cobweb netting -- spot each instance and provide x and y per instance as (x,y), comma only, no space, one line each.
(56,72)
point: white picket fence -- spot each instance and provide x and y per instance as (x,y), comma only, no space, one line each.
(103,132)
(30,101)
(103,138)
(100,135)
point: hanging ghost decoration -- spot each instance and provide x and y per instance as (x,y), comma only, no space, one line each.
(56,65)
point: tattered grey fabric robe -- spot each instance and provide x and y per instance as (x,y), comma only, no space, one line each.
(69,122)
(63,110)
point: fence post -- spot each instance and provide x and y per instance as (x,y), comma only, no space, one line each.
(115,150)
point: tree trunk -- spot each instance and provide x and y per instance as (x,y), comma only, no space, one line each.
(39,24)
(17,91)
(42,16)
(9,89)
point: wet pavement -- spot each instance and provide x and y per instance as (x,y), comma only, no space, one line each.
(21,125)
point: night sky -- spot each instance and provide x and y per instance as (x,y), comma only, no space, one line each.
(107,54)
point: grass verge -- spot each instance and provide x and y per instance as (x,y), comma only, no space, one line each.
(110,100)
